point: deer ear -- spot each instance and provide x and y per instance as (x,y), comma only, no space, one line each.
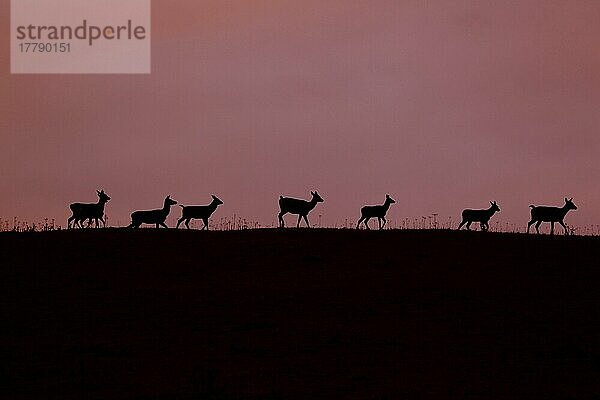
(571,199)
(566,200)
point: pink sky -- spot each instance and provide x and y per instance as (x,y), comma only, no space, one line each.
(444,105)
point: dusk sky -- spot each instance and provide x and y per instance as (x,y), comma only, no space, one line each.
(442,104)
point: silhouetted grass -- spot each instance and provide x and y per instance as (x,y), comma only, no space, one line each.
(239,223)
(16,225)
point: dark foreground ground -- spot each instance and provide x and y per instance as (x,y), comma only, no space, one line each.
(298,314)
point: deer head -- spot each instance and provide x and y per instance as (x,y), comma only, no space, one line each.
(389,200)
(569,205)
(494,207)
(103,197)
(169,201)
(316,198)
(216,200)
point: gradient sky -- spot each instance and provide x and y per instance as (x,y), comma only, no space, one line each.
(442,104)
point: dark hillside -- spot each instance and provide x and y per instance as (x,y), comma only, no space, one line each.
(298,314)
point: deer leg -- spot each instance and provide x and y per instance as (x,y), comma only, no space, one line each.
(367,222)
(163,224)
(187,223)
(384,222)
(281,221)
(379,222)
(359,221)
(469,225)
(552,227)
(299,219)
(179,221)
(103,222)
(564,226)
(537,226)
(306,220)
(461,224)
(529,225)
(71,218)
(205,220)
(97,223)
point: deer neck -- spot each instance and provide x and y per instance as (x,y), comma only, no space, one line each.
(166,208)
(101,204)
(312,203)
(491,211)
(386,205)
(212,206)
(564,210)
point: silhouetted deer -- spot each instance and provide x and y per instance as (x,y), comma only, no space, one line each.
(541,214)
(297,206)
(83,211)
(157,217)
(368,212)
(198,212)
(481,216)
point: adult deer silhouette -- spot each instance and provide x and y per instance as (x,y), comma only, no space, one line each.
(298,207)
(541,214)
(379,212)
(156,217)
(482,216)
(198,212)
(89,211)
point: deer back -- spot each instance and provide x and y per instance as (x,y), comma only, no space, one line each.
(294,206)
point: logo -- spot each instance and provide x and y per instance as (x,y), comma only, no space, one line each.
(80,36)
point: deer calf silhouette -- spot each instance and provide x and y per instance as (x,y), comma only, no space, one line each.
(379,211)
(482,216)
(89,211)
(156,217)
(198,212)
(297,206)
(541,214)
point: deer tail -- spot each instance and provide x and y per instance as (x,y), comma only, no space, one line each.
(281,197)
(531,206)
(181,205)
